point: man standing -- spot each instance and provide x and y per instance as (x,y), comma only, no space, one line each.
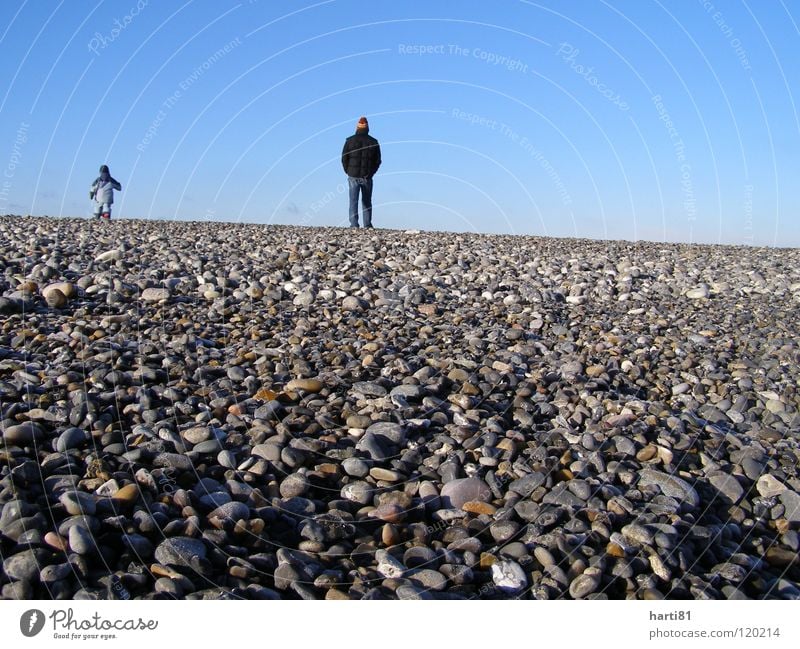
(361,157)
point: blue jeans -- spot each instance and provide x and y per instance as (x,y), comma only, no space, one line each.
(363,185)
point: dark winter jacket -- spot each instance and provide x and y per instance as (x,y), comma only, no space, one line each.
(361,155)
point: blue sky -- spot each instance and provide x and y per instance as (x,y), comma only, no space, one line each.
(620,119)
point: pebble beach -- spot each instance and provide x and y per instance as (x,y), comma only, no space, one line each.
(195,410)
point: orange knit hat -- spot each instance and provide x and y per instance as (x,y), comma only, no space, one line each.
(362,123)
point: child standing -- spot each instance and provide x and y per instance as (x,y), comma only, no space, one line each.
(102,192)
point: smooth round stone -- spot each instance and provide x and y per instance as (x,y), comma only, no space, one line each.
(78,502)
(580,488)
(208,447)
(527,510)
(390,535)
(515,550)
(227,459)
(479,507)
(140,545)
(358,492)
(351,303)
(638,533)
(155,294)
(109,255)
(56,572)
(180,551)
(196,435)
(671,485)
(67,289)
(56,299)
(215,499)
(231,511)
(544,556)
(306,385)
(457,492)
(293,485)
(71,438)
(358,421)
(389,512)
(428,579)
(386,475)
(509,577)
(23,566)
(369,389)
(88,522)
(18,590)
(375,446)
(293,457)
(412,593)
(356,467)
(388,565)
(395,433)
(583,585)
(167,586)
(527,484)
(697,293)
(420,557)
(23,434)
(127,494)
(458,575)
(81,540)
(298,506)
(173,461)
(55,541)
(470,544)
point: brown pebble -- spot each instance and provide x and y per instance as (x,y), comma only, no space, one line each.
(478,507)
(128,494)
(487,560)
(56,299)
(782,525)
(163,571)
(385,474)
(389,512)
(647,453)
(55,541)
(240,572)
(335,593)
(265,395)
(506,444)
(652,593)
(390,535)
(427,309)
(780,557)
(615,550)
(328,469)
(306,385)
